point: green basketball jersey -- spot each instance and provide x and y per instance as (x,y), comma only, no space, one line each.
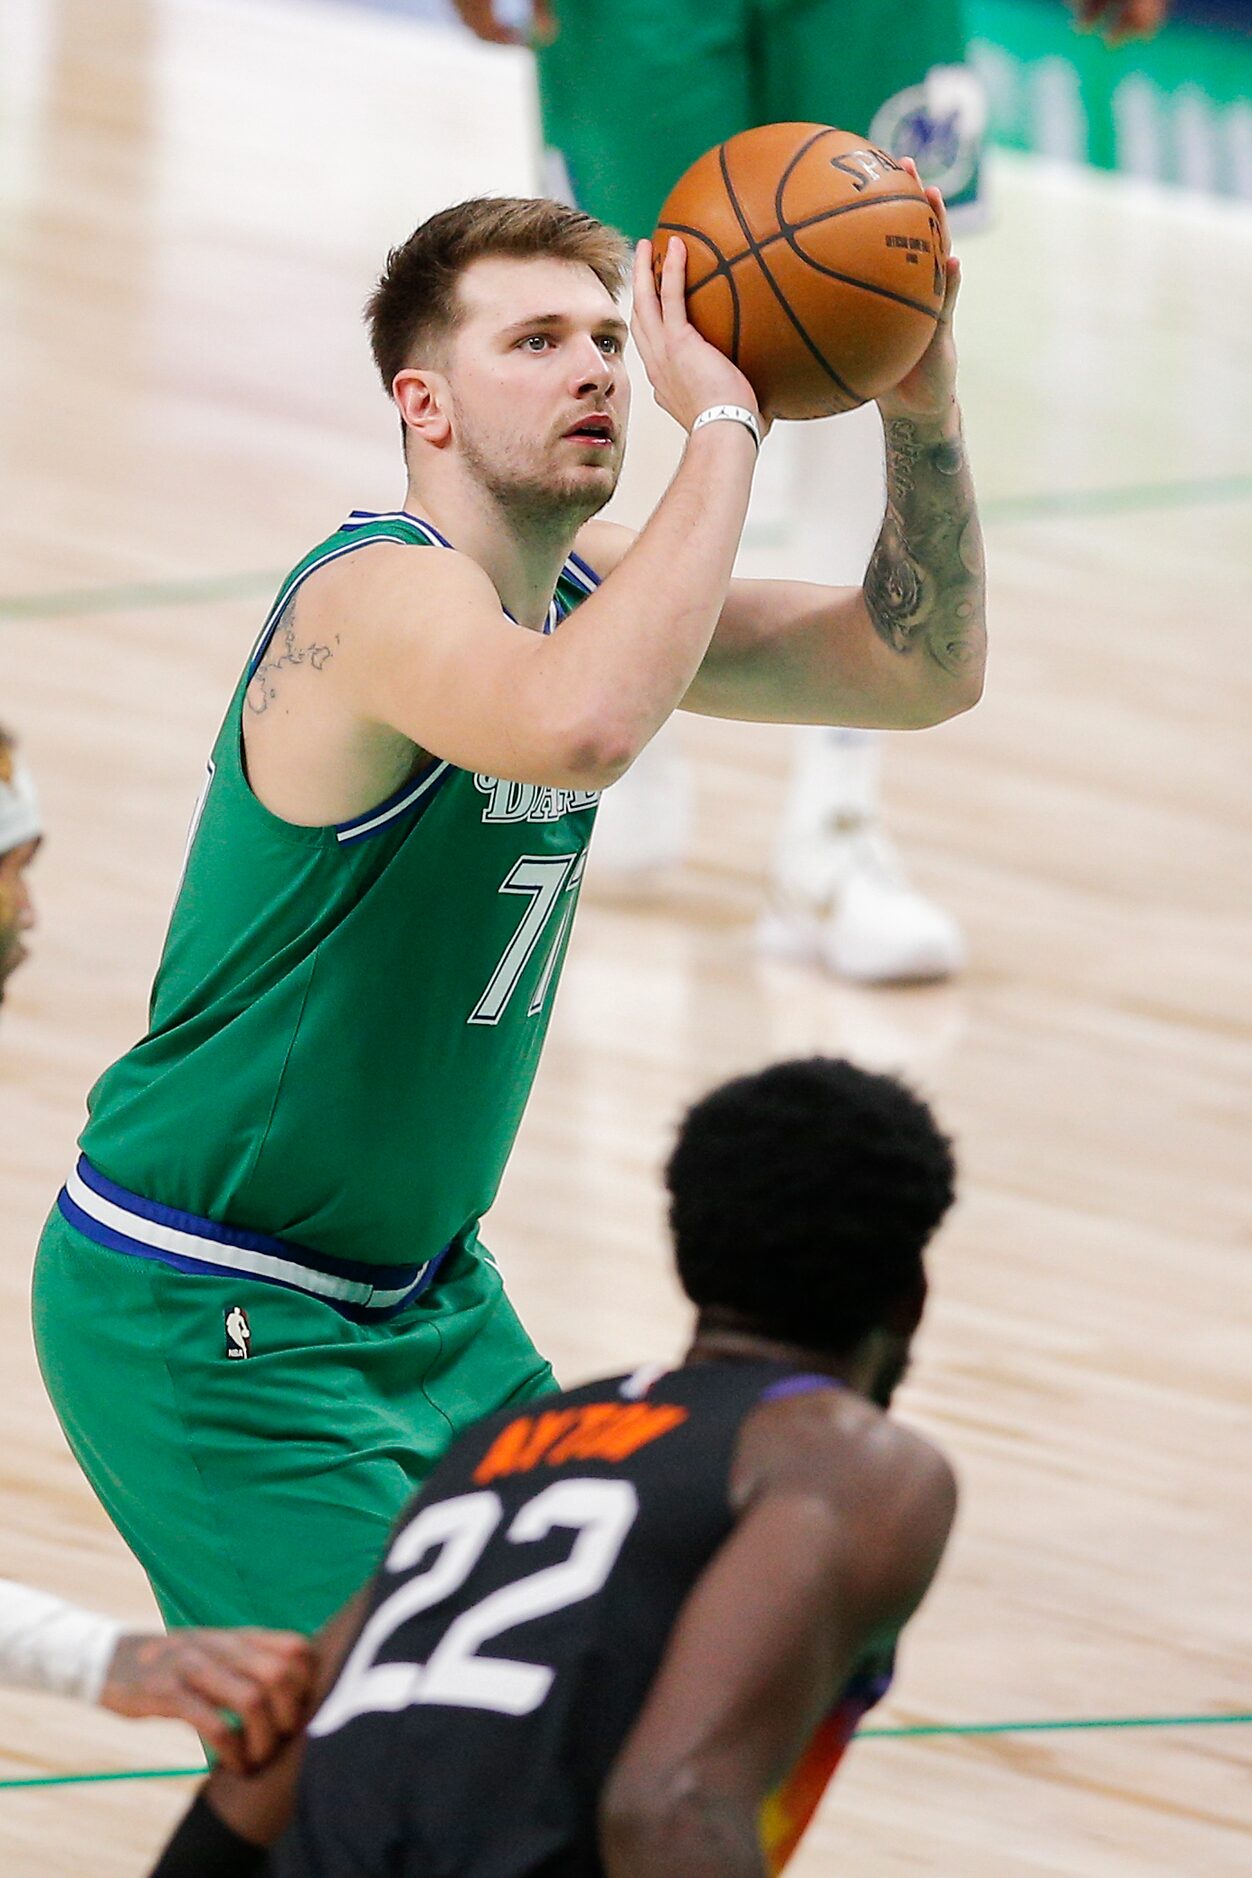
(346,1020)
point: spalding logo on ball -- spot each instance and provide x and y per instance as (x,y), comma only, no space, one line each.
(814,261)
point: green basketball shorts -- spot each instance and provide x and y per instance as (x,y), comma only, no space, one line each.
(253,1444)
(633,91)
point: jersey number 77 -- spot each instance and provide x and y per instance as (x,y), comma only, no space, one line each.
(546,878)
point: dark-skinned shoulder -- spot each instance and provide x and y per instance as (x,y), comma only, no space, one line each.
(886,1491)
(841,1519)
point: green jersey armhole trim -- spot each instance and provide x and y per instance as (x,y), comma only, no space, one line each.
(423,783)
(397,528)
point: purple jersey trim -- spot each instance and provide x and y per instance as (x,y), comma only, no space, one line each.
(803,1384)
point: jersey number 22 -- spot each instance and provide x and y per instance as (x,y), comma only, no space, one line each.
(456,1533)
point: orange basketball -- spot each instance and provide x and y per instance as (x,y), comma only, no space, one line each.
(814,261)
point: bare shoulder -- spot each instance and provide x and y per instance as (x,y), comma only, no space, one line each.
(835,1435)
(390,578)
(602,545)
(889,1490)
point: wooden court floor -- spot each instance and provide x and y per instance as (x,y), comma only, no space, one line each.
(194,196)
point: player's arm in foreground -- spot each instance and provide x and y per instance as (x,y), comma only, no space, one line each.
(261,1676)
(908,647)
(435,659)
(836,1544)
(238,1814)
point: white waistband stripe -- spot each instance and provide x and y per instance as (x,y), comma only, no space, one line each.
(228,1258)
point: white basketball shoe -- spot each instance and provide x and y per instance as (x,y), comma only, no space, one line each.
(838,894)
(845,902)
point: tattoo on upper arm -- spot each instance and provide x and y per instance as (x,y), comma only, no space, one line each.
(925,577)
(282,651)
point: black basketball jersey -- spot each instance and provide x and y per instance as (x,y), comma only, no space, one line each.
(514,1628)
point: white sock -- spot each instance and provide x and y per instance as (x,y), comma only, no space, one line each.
(835,775)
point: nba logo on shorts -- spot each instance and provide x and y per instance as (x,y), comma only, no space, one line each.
(238,1333)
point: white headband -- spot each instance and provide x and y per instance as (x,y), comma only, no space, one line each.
(19,805)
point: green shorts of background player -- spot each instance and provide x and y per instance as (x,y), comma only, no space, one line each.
(633,91)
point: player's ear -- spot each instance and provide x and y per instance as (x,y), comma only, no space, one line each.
(423,401)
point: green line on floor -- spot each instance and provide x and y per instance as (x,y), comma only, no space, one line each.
(930,1730)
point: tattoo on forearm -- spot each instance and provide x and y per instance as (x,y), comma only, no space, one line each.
(924,583)
(282,651)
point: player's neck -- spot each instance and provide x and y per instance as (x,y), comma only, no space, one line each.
(522,557)
(722,1336)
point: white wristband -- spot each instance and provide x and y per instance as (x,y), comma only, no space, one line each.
(735,414)
(48,1644)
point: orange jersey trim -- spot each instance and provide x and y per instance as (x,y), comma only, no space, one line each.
(788,1810)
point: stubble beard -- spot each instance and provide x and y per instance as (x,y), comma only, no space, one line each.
(532,502)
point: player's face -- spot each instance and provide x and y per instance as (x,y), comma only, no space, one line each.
(893,1344)
(17,910)
(539,385)
(893,1364)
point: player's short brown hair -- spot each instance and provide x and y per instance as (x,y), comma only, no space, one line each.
(415,306)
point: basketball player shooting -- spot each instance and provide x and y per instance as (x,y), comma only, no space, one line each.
(262,1307)
(628,1633)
